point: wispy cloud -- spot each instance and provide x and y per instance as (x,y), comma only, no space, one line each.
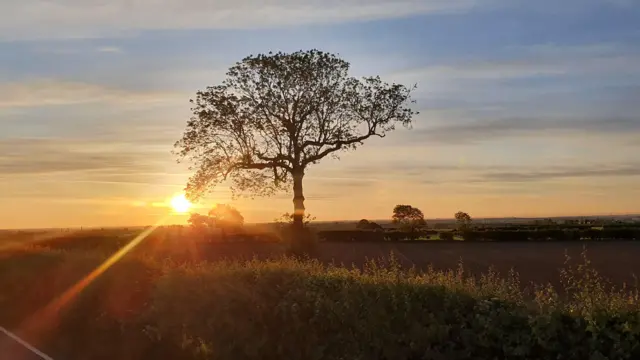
(537,175)
(541,60)
(80,18)
(43,92)
(109,49)
(435,174)
(46,156)
(490,129)
(72,48)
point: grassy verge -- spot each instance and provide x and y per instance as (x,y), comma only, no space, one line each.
(304,310)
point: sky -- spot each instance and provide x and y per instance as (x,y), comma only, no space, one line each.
(527,108)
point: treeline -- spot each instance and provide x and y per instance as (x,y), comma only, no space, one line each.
(631,233)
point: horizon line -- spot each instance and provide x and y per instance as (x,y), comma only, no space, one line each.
(339,221)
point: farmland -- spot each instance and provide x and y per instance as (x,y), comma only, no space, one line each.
(181,296)
(534,261)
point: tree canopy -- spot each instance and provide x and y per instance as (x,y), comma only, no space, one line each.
(276,114)
(365,224)
(463,219)
(221,216)
(226,216)
(408,217)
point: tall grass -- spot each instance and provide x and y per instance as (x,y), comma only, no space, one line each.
(302,309)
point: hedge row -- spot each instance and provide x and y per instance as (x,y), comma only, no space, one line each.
(287,309)
(371,236)
(484,235)
(291,310)
(552,235)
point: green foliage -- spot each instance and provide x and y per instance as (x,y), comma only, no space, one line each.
(292,309)
(304,310)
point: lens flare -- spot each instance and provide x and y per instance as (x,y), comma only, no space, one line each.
(180,204)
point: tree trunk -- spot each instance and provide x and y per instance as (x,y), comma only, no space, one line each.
(298,203)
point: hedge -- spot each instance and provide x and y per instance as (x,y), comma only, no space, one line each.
(288,309)
(371,236)
(552,235)
(485,235)
(293,310)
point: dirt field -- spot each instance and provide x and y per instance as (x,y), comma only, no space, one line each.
(538,262)
(534,261)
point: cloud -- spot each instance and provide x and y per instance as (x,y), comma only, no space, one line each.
(443,172)
(536,175)
(20,157)
(72,48)
(108,49)
(540,60)
(483,130)
(44,92)
(85,18)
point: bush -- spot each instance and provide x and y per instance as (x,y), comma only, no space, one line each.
(469,235)
(546,234)
(365,224)
(351,236)
(446,236)
(290,309)
(303,310)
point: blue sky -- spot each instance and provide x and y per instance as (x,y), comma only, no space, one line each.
(527,108)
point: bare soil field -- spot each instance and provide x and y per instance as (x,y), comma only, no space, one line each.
(538,262)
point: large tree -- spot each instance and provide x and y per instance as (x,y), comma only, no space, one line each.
(276,114)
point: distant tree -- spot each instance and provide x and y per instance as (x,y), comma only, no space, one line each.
(362,224)
(462,219)
(365,224)
(226,218)
(375,226)
(408,217)
(199,222)
(286,219)
(276,114)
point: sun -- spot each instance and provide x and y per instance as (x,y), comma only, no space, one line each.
(180,204)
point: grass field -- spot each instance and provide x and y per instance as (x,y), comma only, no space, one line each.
(161,301)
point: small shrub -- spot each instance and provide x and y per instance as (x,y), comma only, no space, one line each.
(446,236)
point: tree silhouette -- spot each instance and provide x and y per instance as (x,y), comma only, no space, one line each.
(200,222)
(287,219)
(408,217)
(226,218)
(276,114)
(224,215)
(365,224)
(463,219)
